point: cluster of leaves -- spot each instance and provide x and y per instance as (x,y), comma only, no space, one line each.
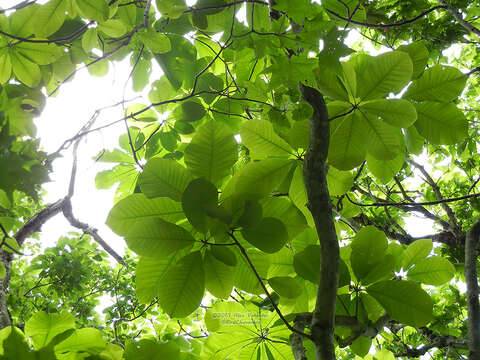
(210,190)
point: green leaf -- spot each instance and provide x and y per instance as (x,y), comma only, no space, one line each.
(41,54)
(383,74)
(441,123)
(198,197)
(162,177)
(347,147)
(385,141)
(404,301)
(368,250)
(438,83)
(86,340)
(43,327)
(137,207)
(157,42)
(307,263)
(3,271)
(262,141)
(50,17)
(361,346)
(339,182)
(5,67)
(171,8)
(93,9)
(285,286)
(224,254)
(192,111)
(262,177)
(90,40)
(384,171)
(434,270)
(15,346)
(419,54)
(25,70)
(149,349)
(252,214)
(148,273)
(114,28)
(218,276)
(416,251)
(181,289)
(330,84)
(209,82)
(212,152)
(396,112)
(145,115)
(157,238)
(269,235)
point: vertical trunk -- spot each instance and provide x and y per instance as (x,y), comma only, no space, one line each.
(5,319)
(315,178)
(471,279)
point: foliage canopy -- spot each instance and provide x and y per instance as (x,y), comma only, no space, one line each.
(263,190)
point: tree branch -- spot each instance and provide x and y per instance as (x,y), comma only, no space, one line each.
(383,26)
(315,177)
(458,16)
(471,280)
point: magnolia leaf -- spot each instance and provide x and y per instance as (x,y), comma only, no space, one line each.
(285,286)
(94,9)
(182,287)
(212,151)
(396,112)
(218,276)
(434,270)
(269,235)
(419,54)
(441,123)
(43,327)
(50,17)
(163,177)
(153,237)
(438,83)
(404,301)
(199,195)
(137,207)
(416,251)
(87,340)
(262,141)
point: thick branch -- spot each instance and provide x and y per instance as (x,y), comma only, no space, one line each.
(458,16)
(384,26)
(315,178)
(299,351)
(471,280)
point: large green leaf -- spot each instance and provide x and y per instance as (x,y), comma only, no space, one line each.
(330,83)
(149,349)
(418,52)
(438,83)
(347,147)
(383,74)
(148,273)
(368,251)
(385,141)
(43,327)
(396,112)
(307,263)
(93,9)
(285,286)
(50,17)
(212,151)
(262,141)
(339,182)
(86,340)
(199,197)
(262,177)
(434,270)
(384,171)
(416,251)
(181,289)
(163,177)
(136,207)
(153,237)
(157,42)
(404,301)
(25,70)
(269,235)
(5,66)
(218,276)
(441,123)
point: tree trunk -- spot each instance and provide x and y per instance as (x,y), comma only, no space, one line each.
(471,279)
(315,177)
